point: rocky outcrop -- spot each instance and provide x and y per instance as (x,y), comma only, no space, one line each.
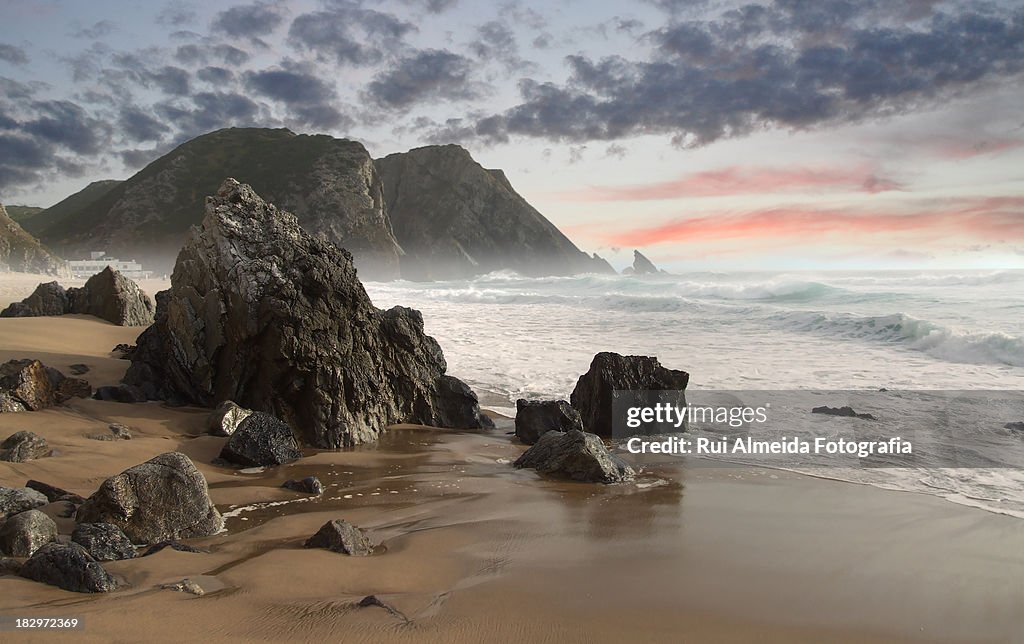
(610,372)
(308,485)
(69,567)
(536,417)
(25,532)
(261,440)
(330,184)
(163,498)
(22,253)
(262,313)
(20,499)
(641,266)
(29,385)
(225,418)
(456,219)
(23,446)
(845,411)
(104,541)
(49,298)
(342,537)
(577,455)
(108,295)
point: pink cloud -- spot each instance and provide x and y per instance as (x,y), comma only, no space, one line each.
(735,180)
(965,150)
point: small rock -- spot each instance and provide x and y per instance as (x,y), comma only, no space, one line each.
(1017,427)
(24,533)
(121,393)
(226,417)
(535,417)
(126,350)
(23,446)
(120,432)
(78,369)
(577,455)
(308,485)
(69,567)
(841,411)
(342,537)
(9,566)
(53,493)
(261,440)
(104,541)
(19,499)
(186,586)
(73,388)
(174,545)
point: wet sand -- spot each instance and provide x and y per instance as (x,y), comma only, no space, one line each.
(472,550)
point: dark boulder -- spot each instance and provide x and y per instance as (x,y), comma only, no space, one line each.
(535,417)
(455,405)
(164,498)
(24,446)
(225,418)
(1017,427)
(111,296)
(261,440)
(121,393)
(53,493)
(49,298)
(19,499)
(264,314)
(846,412)
(342,537)
(69,567)
(576,455)
(611,372)
(104,541)
(125,350)
(29,385)
(308,485)
(78,369)
(25,532)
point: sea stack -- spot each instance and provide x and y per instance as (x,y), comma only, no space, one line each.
(263,313)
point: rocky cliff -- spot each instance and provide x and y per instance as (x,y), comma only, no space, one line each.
(330,184)
(641,266)
(21,252)
(454,218)
(262,313)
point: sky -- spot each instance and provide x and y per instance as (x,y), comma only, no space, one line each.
(709,134)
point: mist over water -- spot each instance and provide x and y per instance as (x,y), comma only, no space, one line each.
(511,337)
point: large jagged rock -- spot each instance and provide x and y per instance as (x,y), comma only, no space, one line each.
(69,567)
(641,266)
(534,418)
(261,440)
(262,313)
(164,498)
(29,385)
(111,296)
(330,184)
(610,372)
(104,541)
(49,298)
(23,446)
(576,455)
(25,532)
(21,252)
(455,219)
(19,499)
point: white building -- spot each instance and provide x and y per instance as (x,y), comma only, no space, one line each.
(98,260)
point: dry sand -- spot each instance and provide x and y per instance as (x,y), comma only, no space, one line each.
(472,550)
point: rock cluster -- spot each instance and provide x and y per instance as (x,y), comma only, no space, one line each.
(29,385)
(576,455)
(107,295)
(264,314)
(535,417)
(164,498)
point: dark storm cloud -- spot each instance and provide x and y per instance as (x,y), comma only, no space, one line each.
(347,33)
(13,55)
(65,124)
(496,42)
(200,53)
(171,80)
(139,126)
(206,111)
(310,100)
(249,21)
(428,74)
(744,71)
(215,75)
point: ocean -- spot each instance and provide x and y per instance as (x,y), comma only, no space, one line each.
(513,337)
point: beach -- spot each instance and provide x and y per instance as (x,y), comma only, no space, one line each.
(471,549)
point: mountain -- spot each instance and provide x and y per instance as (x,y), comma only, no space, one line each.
(21,214)
(330,184)
(454,218)
(51,218)
(21,252)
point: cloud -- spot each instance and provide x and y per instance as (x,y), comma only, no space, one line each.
(431,74)
(736,180)
(215,75)
(496,42)
(176,15)
(139,126)
(97,30)
(761,66)
(12,55)
(249,21)
(309,99)
(347,33)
